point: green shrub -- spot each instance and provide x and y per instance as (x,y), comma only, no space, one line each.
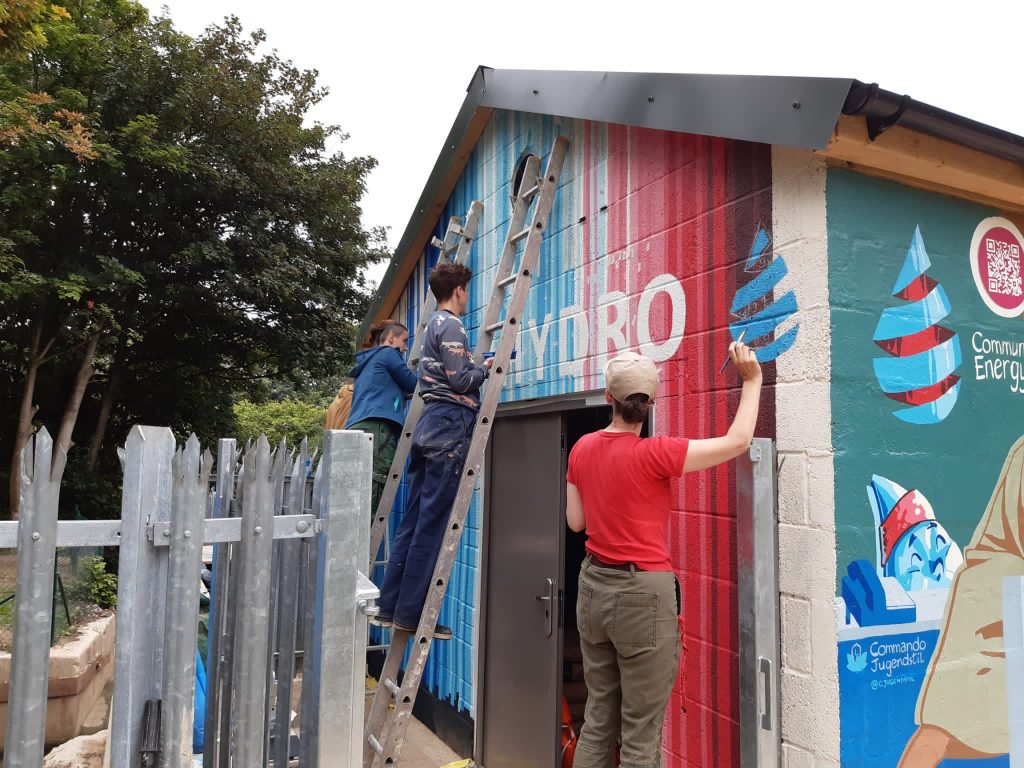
(100,586)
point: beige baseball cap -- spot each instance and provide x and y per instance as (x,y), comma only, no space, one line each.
(631,374)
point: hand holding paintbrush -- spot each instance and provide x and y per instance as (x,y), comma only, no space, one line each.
(744,358)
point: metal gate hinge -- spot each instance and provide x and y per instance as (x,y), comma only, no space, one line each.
(755,452)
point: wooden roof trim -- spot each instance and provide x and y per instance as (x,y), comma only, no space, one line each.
(925,162)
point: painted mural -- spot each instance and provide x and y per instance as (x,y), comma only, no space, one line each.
(657,243)
(929,504)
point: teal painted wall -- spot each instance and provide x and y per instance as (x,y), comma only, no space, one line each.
(954,463)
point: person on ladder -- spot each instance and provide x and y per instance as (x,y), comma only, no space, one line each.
(382,381)
(450,388)
(618,489)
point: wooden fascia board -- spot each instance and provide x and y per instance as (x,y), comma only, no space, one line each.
(928,163)
(408,259)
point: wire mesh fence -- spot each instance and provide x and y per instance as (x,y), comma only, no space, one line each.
(81,586)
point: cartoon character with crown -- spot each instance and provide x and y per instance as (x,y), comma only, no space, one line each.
(912,546)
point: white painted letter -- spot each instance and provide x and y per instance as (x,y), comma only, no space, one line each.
(538,337)
(611,331)
(572,348)
(667,348)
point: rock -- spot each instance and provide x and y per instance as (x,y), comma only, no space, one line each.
(80,752)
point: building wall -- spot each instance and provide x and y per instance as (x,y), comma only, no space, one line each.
(929,506)
(660,243)
(810,700)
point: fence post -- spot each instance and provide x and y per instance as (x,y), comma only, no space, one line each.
(219,651)
(310,696)
(339,636)
(275,575)
(288,600)
(249,676)
(41,469)
(191,472)
(141,585)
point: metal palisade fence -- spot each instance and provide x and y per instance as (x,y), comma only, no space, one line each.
(288,601)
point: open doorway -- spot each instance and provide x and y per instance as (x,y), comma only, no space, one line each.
(529,652)
(577,423)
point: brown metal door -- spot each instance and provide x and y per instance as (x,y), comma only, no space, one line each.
(519,717)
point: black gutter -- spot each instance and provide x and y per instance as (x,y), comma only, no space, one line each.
(884,109)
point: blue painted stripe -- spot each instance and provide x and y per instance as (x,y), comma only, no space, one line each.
(765,321)
(916,264)
(769,352)
(761,241)
(760,286)
(933,412)
(903,374)
(909,319)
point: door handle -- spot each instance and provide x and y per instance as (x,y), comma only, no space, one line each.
(766,712)
(549,609)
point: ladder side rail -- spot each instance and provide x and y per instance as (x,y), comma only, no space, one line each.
(506,263)
(395,730)
(382,698)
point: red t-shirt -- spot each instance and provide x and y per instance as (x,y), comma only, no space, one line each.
(623,482)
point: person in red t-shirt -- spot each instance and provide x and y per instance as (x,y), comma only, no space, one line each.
(617,488)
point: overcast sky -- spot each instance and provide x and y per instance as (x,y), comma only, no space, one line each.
(398,71)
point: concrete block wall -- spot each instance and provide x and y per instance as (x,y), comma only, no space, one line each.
(807,551)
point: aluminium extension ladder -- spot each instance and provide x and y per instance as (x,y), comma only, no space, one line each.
(457,240)
(386,728)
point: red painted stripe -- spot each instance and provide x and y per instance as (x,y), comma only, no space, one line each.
(925,394)
(905,346)
(918,289)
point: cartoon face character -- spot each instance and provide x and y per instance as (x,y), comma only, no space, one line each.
(925,557)
(912,546)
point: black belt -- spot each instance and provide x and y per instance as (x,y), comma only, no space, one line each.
(614,566)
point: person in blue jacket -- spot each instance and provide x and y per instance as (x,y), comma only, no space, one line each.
(382,381)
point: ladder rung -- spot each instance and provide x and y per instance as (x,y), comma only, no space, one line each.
(531,193)
(390,685)
(508,280)
(375,745)
(520,235)
(494,326)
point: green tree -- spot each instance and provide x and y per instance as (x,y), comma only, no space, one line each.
(207,243)
(289,419)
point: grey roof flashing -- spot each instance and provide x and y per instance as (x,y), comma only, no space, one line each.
(795,111)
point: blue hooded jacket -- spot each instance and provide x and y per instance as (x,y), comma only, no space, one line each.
(382,382)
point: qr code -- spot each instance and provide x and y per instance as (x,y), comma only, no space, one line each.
(1003,267)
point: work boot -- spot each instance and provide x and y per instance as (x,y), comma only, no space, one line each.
(441,632)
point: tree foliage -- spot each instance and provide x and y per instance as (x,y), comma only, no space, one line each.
(23,25)
(289,419)
(170,218)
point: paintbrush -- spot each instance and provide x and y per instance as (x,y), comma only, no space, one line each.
(742,334)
